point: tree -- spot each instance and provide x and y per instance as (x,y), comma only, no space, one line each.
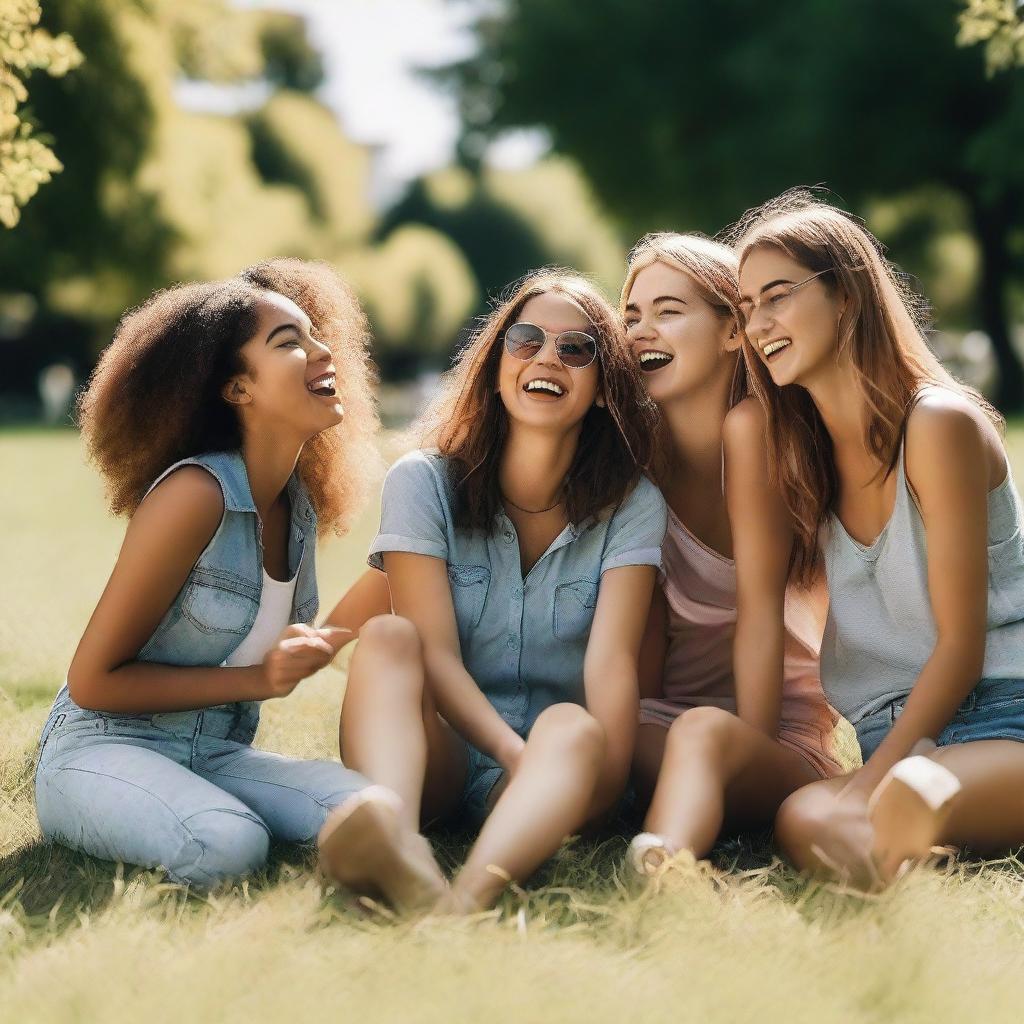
(999,24)
(715,107)
(26,162)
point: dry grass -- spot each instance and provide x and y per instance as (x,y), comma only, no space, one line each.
(82,940)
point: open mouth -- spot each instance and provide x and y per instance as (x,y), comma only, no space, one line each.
(543,388)
(322,385)
(773,348)
(651,359)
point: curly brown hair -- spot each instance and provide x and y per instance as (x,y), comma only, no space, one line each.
(468,423)
(155,395)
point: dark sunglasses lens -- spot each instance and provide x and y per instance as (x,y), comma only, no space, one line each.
(576,349)
(524,341)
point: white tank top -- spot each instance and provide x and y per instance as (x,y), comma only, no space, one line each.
(273,615)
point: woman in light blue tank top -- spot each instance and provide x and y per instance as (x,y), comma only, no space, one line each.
(231,420)
(897,479)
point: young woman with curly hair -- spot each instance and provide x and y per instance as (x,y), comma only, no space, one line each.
(897,482)
(232,422)
(521,550)
(732,716)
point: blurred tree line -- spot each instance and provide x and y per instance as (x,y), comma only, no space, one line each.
(153,193)
(686,113)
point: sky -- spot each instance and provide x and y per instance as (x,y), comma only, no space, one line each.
(371,51)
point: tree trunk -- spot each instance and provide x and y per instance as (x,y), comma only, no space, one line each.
(990,226)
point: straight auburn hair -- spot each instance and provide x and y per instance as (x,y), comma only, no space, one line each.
(882,331)
(468,423)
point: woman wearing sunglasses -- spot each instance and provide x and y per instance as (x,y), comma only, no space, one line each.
(897,481)
(521,554)
(732,716)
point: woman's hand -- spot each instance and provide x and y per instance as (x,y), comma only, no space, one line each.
(300,651)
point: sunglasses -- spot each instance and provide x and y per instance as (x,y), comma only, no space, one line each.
(574,348)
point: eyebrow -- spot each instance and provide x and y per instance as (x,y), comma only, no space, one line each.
(764,288)
(633,307)
(279,328)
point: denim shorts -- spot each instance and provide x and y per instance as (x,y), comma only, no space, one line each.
(993,710)
(483,773)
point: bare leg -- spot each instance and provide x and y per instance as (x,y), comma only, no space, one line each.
(545,801)
(390,730)
(986,815)
(391,733)
(718,768)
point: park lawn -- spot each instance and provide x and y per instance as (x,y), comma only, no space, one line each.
(83,940)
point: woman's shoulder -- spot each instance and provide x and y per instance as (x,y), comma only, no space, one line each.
(945,422)
(745,423)
(421,471)
(645,497)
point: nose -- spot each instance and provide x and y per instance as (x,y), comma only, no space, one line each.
(548,354)
(757,324)
(317,352)
(640,330)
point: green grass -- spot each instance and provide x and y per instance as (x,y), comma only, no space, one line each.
(84,940)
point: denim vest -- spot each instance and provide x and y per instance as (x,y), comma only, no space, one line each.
(215,609)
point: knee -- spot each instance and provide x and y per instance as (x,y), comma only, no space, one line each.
(707,729)
(221,845)
(573,728)
(391,633)
(797,821)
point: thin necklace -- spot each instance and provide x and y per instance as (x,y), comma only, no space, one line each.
(529,511)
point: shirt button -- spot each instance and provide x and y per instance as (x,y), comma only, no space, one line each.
(517,591)
(509,537)
(512,642)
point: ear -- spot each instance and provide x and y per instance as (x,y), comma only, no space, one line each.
(734,341)
(599,400)
(234,392)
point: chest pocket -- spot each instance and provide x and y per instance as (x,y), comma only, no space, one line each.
(574,609)
(217,605)
(469,584)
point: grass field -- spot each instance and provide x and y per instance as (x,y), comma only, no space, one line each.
(83,940)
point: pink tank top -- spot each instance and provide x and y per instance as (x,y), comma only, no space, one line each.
(700,590)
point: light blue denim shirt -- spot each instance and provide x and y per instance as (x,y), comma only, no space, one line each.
(522,641)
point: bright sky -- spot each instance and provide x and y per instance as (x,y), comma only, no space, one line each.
(372,50)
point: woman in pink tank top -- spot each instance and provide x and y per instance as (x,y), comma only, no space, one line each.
(728,727)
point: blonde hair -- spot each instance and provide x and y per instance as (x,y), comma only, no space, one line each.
(882,330)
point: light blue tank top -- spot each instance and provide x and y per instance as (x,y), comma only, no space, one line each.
(880,629)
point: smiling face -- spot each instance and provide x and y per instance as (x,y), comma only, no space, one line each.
(289,382)
(794,332)
(542,391)
(681,342)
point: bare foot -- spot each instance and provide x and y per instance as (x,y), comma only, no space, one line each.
(908,811)
(364,846)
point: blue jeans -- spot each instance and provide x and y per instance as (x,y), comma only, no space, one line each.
(993,710)
(183,791)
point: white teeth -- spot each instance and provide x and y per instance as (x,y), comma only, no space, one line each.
(326,381)
(545,385)
(651,356)
(774,346)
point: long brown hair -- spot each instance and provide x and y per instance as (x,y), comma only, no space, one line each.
(714,270)
(155,395)
(468,423)
(882,330)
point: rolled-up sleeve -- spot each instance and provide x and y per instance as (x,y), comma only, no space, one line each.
(413,512)
(637,529)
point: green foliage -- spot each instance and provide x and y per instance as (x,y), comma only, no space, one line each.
(289,60)
(419,291)
(26,162)
(999,25)
(713,108)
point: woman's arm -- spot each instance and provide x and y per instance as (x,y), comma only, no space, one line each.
(949,462)
(367,597)
(653,647)
(420,592)
(610,672)
(762,541)
(165,538)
